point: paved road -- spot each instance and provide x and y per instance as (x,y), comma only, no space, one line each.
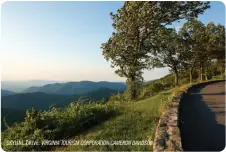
(202,118)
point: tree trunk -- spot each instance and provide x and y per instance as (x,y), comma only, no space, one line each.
(132,88)
(190,73)
(191,70)
(176,77)
(206,74)
(200,73)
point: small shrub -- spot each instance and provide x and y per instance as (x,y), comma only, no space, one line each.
(120,97)
(55,124)
(219,77)
(185,80)
(151,90)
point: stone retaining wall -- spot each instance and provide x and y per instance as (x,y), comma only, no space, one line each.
(167,135)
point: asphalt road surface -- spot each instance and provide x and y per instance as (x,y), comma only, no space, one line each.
(202,118)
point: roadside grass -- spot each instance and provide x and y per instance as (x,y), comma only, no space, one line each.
(136,122)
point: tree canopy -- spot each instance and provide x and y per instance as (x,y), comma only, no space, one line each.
(136,27)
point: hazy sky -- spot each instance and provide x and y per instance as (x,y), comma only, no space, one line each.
(61,40)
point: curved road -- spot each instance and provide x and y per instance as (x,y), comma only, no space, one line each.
(202,118)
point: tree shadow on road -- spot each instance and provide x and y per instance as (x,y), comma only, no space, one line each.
(220,93)
(198,125)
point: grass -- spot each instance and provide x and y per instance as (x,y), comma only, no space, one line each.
(111,121)
(136,121)
(55,124)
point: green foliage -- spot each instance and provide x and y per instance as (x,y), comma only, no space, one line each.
(55,124)
(185,80)
(140,33)
(120,97)
(156,86)
(216,68)
(137,121)
(14,106)
(11,116)
(137,25)
(167,82)
(166,100)
(169,51)
(42,101)
(202,45)
(219,77)
(151,90)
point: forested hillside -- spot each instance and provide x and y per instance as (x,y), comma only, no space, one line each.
(72,88)
(6,92)
(43,101)
(15,106)
(11,116)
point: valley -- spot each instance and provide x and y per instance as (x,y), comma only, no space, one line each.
(17,103)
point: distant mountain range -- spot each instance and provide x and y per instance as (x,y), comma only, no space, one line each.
(14,105)
(6,92)
(71,88)
(43,101)
(59,94)
(19,86)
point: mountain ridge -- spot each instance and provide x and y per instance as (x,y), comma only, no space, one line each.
(70,88)
(6,92)
(42,101)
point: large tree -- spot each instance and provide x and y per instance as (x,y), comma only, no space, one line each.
(169,51)
(192,34)
(136,25)
(203,43)
(215,45)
